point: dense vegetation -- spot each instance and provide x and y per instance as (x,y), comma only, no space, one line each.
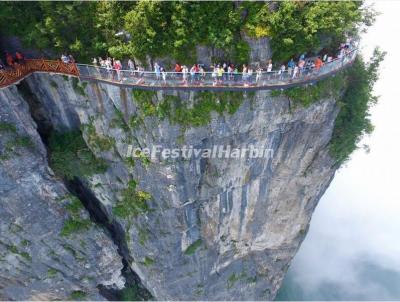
(354,89)
(70,157)
(353,120)
(158,29)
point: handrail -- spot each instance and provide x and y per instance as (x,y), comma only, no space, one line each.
(211,80)
(178,80)
(18,72)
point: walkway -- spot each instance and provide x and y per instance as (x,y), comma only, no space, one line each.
(171,80)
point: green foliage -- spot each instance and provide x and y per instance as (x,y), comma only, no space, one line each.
(143,236)
(7,127)
(148,261)
(233,278)
(70,157)
(119,122)
(52,272)
(174,29)
(306,95)
(353,119)
(78,295)
(75,225)
(133,202)
(84,29)
(131,293)
(78,86)
(296,27)
(193,247)
(177,111)
(14,249)
(96,141)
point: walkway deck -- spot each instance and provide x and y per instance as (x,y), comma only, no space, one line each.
(176,81)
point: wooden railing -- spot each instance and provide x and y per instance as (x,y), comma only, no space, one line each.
(13,75)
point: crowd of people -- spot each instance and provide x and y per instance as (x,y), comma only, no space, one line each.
(223,71)
(11,60)
(112,68)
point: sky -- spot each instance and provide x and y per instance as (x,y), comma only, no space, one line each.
(352,250)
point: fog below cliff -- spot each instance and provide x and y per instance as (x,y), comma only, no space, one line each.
(352,249)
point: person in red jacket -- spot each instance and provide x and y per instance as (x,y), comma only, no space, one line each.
(19,58)
(318,63)
(9,59)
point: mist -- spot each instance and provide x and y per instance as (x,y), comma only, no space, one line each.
(352,250)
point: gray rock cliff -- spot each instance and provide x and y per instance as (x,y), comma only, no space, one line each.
(217,229)
(36,261)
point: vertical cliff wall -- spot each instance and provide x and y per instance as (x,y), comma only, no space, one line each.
(212,228)
(39,260)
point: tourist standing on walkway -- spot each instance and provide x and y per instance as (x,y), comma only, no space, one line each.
(258,74)
(244,73)
(131,66)
(19,58)
(157,71)
(185,71)
(318,63)
(118,66)
(291,66)
(220,73)
(269,68)
(281,71)
(164,75)
(192,73)
(295,72)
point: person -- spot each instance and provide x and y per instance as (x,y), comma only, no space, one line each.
(71,59)
(325,57)
(220,73)
(157,71)
(109,67)
(131,66)
(295,72)
(118,66)
(301,65)
(244,73)
(202,73)
(185,71)
(192,73)
(9,59)
(282,71)
(177,70)
(95,62)
(225,68)
(19,57)
(249,74)
(269,66)
(164,75)
(214,74)
(230,71)
(258,74)
(318,63)
(64,59)
(290,66)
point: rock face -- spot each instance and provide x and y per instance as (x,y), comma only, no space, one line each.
(36,261)
(218,229)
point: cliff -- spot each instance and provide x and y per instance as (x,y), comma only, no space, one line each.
(217,229)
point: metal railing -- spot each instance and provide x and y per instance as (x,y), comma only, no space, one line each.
(178,80)
(263,80)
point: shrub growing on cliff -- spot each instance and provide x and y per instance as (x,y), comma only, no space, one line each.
(133,202)
(353,119)
(70,157)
